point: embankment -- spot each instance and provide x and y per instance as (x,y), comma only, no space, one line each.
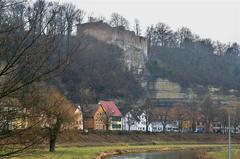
(109,138)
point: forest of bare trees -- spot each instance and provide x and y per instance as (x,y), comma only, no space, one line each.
(34,44)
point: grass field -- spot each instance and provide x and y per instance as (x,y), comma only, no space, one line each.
(224,154)
(90,152)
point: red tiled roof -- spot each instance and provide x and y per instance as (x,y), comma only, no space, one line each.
(110,107)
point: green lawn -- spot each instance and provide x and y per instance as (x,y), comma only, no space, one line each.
(90,151)
(224,154)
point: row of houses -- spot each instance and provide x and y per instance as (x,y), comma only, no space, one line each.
(106,116)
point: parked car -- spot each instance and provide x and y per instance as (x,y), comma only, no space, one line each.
(199,130)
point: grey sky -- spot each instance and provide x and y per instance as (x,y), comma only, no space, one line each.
(215,19)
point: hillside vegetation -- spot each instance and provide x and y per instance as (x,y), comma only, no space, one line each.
(184,57)
(195,67)
(100,68)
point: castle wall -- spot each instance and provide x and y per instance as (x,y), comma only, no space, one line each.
(124,38)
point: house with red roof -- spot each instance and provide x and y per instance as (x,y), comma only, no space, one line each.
(113,119)
(104,116)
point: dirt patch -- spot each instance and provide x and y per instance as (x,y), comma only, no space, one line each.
(204,156)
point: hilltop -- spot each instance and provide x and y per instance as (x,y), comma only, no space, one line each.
(169,71)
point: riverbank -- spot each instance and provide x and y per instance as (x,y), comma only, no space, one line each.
(76,145)
(101,152)
(109,138)
(157,148)
(223,154)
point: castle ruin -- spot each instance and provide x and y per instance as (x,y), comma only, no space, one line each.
(135,48)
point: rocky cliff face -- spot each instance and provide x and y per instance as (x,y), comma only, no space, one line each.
(135,47)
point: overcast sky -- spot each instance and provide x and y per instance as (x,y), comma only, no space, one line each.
(215,19)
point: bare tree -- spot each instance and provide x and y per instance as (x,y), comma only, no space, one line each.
(28,56)
(54,110)
(220,48)
(71,14)
(183,35)
(163,115)
(209,111)
(223,118)
(80,16)
(160,35)
(131,118)
(163,33)
(150,34)
(179,113)
(118,20)
(147,110)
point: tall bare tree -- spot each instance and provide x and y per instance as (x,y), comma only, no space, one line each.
(162,114)
(147,109)
(27,56)
(179,113)
(208,109)
(54,110)
(118,20)
(131,118)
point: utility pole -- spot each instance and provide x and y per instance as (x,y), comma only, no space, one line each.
(229,138)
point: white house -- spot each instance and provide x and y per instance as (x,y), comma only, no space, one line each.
(157,126)
(135,122)
(138,123)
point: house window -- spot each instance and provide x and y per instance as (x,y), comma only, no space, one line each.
(116,126)
(116,118)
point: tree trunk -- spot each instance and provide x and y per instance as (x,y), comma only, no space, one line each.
(107,125)
(193,126)
(53,132)
(164,127)
(207,127)
(147,128)
(180,126)
(52,141)
(235,129)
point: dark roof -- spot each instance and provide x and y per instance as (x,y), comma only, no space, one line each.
(91,109)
